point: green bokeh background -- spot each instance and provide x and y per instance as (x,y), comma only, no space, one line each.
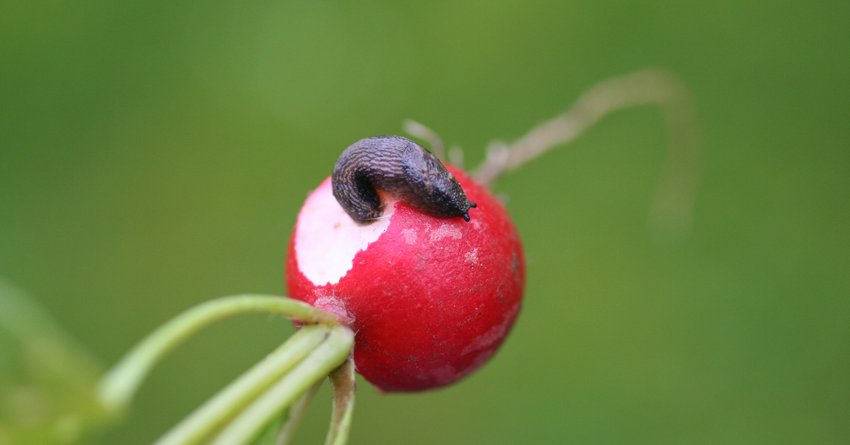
(154,155)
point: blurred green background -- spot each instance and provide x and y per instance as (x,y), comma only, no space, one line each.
(154,155)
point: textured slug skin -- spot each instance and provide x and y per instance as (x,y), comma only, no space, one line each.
(399,167)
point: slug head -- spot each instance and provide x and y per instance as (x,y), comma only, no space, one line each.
(433,189)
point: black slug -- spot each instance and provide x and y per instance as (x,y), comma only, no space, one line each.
(400,167)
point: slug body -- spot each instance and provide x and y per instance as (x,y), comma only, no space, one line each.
(399,167)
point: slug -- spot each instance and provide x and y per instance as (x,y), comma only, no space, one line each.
(399,167)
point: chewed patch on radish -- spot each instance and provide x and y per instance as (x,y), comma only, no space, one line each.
(327,239)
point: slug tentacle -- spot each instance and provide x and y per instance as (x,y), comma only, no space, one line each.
(400,167)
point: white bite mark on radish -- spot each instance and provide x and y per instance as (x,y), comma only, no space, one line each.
(446,231)
(327,239)
(409,236)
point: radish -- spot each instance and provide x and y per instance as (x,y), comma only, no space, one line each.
(429,298)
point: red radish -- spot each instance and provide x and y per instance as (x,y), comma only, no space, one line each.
(430,299)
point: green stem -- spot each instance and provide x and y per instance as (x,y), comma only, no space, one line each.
(324,359)
(292,419)
(343,381)
(232,399)
(121,382)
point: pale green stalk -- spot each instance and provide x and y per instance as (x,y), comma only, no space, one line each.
(324,359)
(121,382)
(293,417)
(232,399)
(343,381)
